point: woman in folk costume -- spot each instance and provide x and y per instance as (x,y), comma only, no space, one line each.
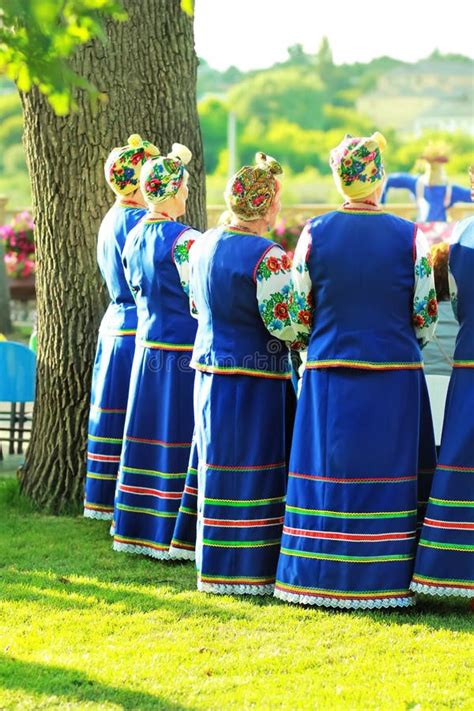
(116,344)
(349,534)
(433,193)
(240,287)
(159,422)
(445,558)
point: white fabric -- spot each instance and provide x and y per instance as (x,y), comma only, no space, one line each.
(424,283)
(279,283)
(346,604)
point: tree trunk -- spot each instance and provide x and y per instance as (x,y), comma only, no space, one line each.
(147,69)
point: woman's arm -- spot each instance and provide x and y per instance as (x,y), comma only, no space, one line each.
(425,304)
(181,255)
(274,291)
(302,306)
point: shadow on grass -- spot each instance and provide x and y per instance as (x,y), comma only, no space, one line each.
(71,685)
(61,592)
(51,551)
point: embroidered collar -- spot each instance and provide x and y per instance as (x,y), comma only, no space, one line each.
(152,217)
(364,208)
(240,230)
(128,202)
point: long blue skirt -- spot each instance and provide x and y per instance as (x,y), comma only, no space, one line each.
(242,475)
(184,537)
(445,558)
(110,383)
(155,454)
(349,536)
(183,542)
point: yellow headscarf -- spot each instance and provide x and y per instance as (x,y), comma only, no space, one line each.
(123,166)
(357,165)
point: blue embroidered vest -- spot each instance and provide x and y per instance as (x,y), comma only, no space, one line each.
(231,336)
(164,319)
(362,270)
(461,264)
(121,315)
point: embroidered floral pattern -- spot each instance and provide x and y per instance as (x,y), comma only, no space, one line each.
(423,268)
(181,260)
(425,305)
(302,305)
(425,310)
(274,293)
(162,178)
(250,192)
(355,161)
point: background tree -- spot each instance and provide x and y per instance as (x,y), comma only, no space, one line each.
(146,70)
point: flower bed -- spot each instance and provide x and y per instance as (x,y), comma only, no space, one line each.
(18,240)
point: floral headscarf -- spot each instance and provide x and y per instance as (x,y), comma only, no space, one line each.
(250,192)
(124,164)
(357,165)
(162,176)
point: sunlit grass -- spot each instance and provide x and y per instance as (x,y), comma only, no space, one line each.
(83,627)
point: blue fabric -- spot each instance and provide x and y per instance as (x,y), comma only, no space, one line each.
(461,264)
(159,422)
(362,270)
(184,534)
(432,207)
(18,369)
(445,559)
(162,305)
(242,473)
(349,535)
(231,333)
(112,366)
(113,231)
(155,453)
(110,381)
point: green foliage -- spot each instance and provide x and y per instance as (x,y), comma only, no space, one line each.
(38,37)
(213,115)
(11,130)
(83,627)
(296,93)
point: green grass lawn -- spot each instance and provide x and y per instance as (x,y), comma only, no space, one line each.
(84,627)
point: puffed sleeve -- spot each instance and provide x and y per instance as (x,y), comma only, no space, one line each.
(302,306)
(425,304)
(274,292)
(181,250)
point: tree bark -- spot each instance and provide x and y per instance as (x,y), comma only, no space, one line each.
(147,69)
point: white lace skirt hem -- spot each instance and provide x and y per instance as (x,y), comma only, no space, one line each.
(140,550)
(235,589)
(388,602)
(99,515)
(441,591)
(181,554)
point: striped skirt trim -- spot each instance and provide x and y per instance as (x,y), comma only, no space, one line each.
(363,364)
(442,587)
(349,600)
(162,346)
(222,370)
